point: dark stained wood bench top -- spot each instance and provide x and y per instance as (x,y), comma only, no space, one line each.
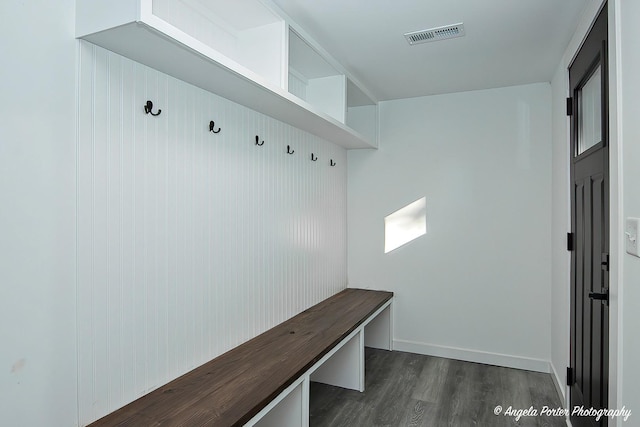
(232,388)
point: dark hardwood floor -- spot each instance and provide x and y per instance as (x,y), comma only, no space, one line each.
(404,389)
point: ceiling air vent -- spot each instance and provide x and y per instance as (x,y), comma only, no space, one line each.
(435,34)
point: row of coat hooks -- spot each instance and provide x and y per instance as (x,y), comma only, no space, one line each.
(314,158)
(148,109)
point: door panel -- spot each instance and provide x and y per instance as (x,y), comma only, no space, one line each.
(597,218)
(590,224)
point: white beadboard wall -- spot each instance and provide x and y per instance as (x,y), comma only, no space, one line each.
(189,242)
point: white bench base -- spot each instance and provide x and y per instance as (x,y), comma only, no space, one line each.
(343,367)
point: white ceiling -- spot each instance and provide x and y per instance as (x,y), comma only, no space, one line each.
(507,42)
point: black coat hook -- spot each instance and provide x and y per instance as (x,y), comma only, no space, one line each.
(212,124)
(259,144)
(332,163)
(148,107)
(313,159)
(289,150)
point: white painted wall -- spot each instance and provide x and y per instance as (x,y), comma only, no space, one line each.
(37,214)
(189,242)
(477,286)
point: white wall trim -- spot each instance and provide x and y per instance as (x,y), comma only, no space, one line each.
(558,383)
(477,356)
(616,208)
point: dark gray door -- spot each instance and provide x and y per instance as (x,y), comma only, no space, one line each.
(588,79)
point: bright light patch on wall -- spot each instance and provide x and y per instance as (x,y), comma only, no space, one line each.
(405,225)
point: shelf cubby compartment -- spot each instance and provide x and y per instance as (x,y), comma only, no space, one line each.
(362,112)
(314,80)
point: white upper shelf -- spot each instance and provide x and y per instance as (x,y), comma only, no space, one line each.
(245,61)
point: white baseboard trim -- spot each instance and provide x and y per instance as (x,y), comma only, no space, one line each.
(505,360)
(558,383)
(563,390)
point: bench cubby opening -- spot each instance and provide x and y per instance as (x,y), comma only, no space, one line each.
(288,409)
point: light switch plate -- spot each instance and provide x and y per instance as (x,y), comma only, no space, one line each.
(631,236)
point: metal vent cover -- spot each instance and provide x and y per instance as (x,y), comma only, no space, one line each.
(435,34)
